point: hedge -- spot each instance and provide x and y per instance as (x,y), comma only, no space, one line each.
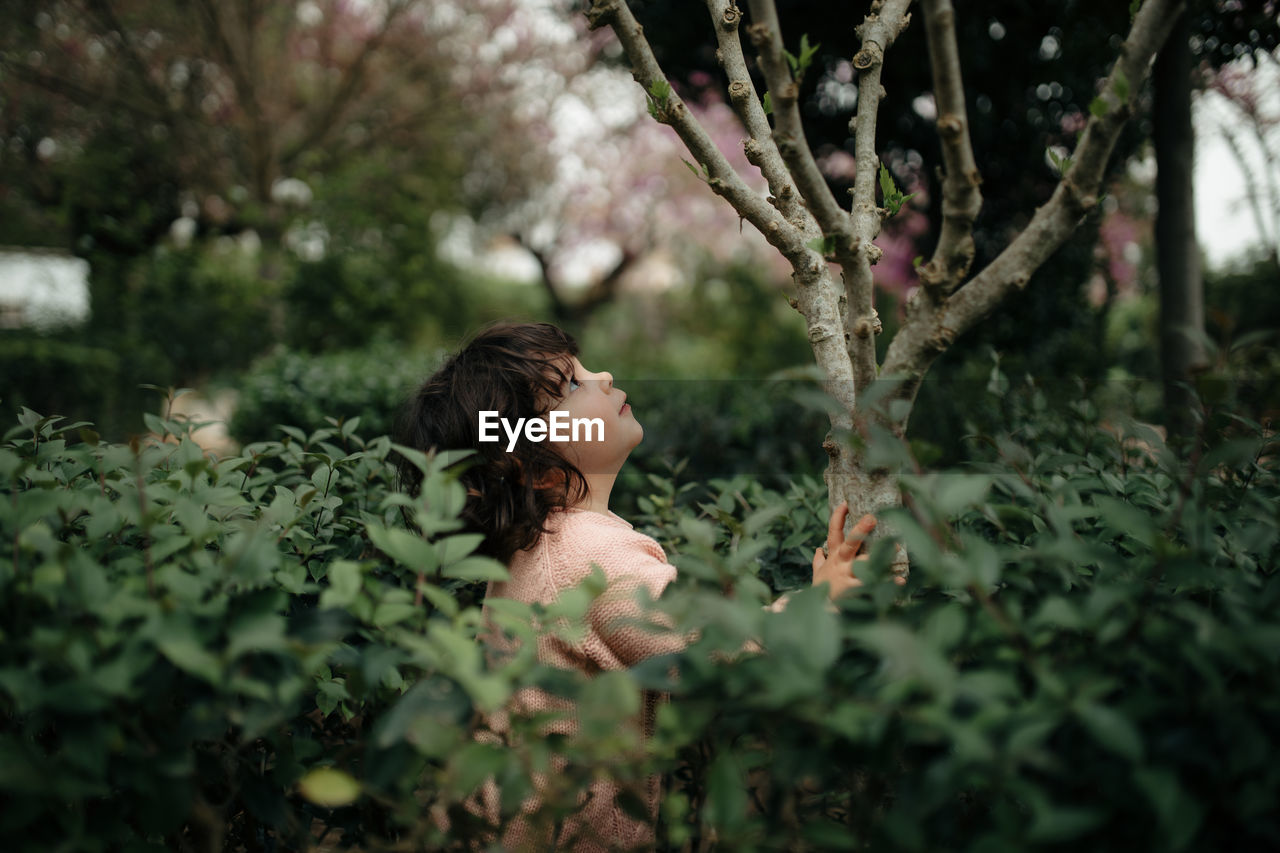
(259,652)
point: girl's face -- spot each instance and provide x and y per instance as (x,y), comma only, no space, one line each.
(590,395)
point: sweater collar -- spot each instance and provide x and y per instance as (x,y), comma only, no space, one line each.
(610,515)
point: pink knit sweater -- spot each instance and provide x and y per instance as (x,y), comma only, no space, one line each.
(561,559)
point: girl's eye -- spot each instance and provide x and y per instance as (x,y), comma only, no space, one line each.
(574,385)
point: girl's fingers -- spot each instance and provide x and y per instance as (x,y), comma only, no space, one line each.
(857,537)
(835,528)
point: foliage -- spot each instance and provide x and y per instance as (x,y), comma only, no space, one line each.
(1242,311)
(290,387)
(206,654)
(57,374)
(1085,654)
(187,640)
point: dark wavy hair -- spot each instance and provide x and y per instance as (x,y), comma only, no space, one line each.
(517,370)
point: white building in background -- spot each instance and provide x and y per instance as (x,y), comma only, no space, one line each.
(42,288)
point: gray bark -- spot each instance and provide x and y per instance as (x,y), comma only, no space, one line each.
(841,322)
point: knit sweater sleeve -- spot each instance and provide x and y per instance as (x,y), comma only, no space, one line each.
(620,631)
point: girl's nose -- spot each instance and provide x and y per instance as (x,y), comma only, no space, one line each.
(606,380)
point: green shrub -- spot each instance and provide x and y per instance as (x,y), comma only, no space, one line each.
(1085,655)
(212,654)
(198,653)
(299,388)
(54,373)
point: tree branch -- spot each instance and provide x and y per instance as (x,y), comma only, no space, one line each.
(323,124)
(760,149)
(722,178)
(246,91)
(961,198)
(878,31)
(77,94)
(931,328)
(107,16)
(788,133)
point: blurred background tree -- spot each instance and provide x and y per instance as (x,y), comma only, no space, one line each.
(240,178)
(374,180)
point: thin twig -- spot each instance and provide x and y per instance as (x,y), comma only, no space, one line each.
(878,32)
(788,133)
(961,198)
(722,178)
(929,329)
(761,150)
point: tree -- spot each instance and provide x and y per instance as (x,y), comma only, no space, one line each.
(803,221)
(607,193)
(1242,109)
(1177,251)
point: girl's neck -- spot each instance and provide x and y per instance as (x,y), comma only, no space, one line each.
(599,487)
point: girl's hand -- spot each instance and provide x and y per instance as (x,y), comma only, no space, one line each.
(833,565)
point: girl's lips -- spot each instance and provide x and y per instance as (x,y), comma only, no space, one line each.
(626,407)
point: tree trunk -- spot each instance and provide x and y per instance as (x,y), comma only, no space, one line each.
(802,220)
(1177,252)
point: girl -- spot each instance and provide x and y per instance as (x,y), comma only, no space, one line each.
(543,507)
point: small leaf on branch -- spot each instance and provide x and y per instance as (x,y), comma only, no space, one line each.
(1058,157)
(917,261)
(1098,107)
(1134,6)
(824,245)
(703,174)
(800,64)
(658,95)
(893,197)
(1121,87)
(768,104)
(329,788)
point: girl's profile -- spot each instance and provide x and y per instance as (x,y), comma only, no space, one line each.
(543,508)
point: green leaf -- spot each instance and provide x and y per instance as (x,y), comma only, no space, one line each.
(1098,107)
(1180,816)
(824,245)
(454,548)
(477,569)
(406,548)
(887,186)
(1121,86)
(726,804)
(1062,823)
(257,632)
(893,197)
(186,653)
(329,788)
(945,627)
(344,585)
(956,492)
(800,64)
(1111,729)
(767,103)
(388,613)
